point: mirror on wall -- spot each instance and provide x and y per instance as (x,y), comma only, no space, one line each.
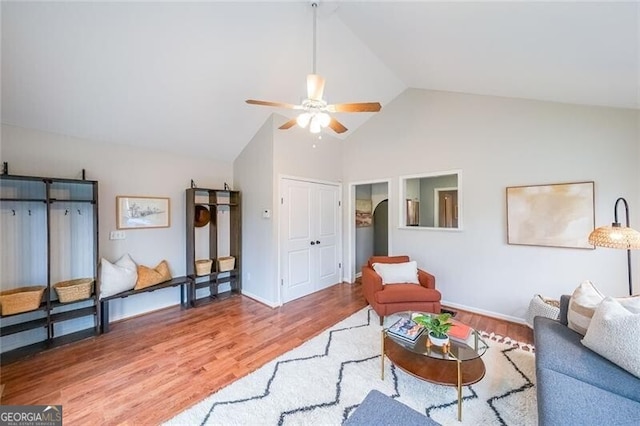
(431,200)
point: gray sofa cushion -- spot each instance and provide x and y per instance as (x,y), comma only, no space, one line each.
(567,401)
(378,409)
(558,348)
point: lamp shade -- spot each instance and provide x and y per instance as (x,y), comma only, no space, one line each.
(615,236)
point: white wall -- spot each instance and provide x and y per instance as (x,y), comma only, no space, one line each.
(500,142)
(121,170)
(298,153)
(253,176)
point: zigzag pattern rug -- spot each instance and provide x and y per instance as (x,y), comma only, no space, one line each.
(322,381)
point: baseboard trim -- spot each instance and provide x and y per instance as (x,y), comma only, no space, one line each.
(260,299)
(484,312)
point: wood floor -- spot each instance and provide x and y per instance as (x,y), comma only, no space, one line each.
(149,368)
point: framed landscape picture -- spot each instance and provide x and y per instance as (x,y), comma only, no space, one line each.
(556,215)
(142,212)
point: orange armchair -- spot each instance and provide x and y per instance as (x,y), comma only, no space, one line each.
(390,298)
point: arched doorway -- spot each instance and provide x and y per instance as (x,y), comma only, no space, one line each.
(381,229)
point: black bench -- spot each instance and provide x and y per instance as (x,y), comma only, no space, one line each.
(177,281)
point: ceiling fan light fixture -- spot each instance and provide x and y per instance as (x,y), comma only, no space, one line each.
(315,126)
(324,119)
(303,119)
(315,112)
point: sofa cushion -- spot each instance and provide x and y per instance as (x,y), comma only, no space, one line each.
(614,333)
(397,273)
(558,348)
(402,293)
(564,400)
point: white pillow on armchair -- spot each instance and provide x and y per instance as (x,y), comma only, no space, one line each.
(398,273)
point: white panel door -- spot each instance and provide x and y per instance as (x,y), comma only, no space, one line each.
(295,239)
(309,237)
(327,220)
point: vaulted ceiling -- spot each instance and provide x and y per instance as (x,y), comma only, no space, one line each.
(174,76)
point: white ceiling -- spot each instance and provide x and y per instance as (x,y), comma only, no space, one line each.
(174,76)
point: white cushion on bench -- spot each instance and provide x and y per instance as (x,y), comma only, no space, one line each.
(117,277)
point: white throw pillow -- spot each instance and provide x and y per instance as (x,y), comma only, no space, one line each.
(584,301)
(117,277)
(397,273)
(614,333)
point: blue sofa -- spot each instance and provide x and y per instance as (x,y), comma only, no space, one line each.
(576,386)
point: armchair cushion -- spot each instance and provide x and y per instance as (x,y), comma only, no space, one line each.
(402,293)
(397,273)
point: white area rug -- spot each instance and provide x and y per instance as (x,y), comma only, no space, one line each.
(322,381)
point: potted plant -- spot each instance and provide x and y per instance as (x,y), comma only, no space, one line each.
(438,326)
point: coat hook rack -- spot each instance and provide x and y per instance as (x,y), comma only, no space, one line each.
(13,211)
(66,212)
(29,212)
(79,212)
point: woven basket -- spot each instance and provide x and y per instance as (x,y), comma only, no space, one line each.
(543,307)
(203,266)
(226,263)
(73,290)
(21,299)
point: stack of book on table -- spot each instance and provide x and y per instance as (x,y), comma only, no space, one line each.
(459,331)
(406,329)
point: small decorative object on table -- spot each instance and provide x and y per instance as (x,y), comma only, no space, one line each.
(438,326)
(459,331)
(406,329)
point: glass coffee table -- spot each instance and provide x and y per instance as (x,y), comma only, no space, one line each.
(458,364)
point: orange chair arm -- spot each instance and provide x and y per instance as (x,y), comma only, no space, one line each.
(426,279)
(371,282)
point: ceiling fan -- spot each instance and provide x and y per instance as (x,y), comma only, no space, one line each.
(315,110)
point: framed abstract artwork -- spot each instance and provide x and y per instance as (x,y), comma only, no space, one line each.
(556,215)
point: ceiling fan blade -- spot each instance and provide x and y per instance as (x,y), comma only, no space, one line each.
(315,87)
(336,126)
(289,124)
(273,104)
(355,107)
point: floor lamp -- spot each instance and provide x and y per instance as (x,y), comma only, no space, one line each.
(618,237)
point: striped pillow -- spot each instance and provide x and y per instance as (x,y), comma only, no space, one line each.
(584,301)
